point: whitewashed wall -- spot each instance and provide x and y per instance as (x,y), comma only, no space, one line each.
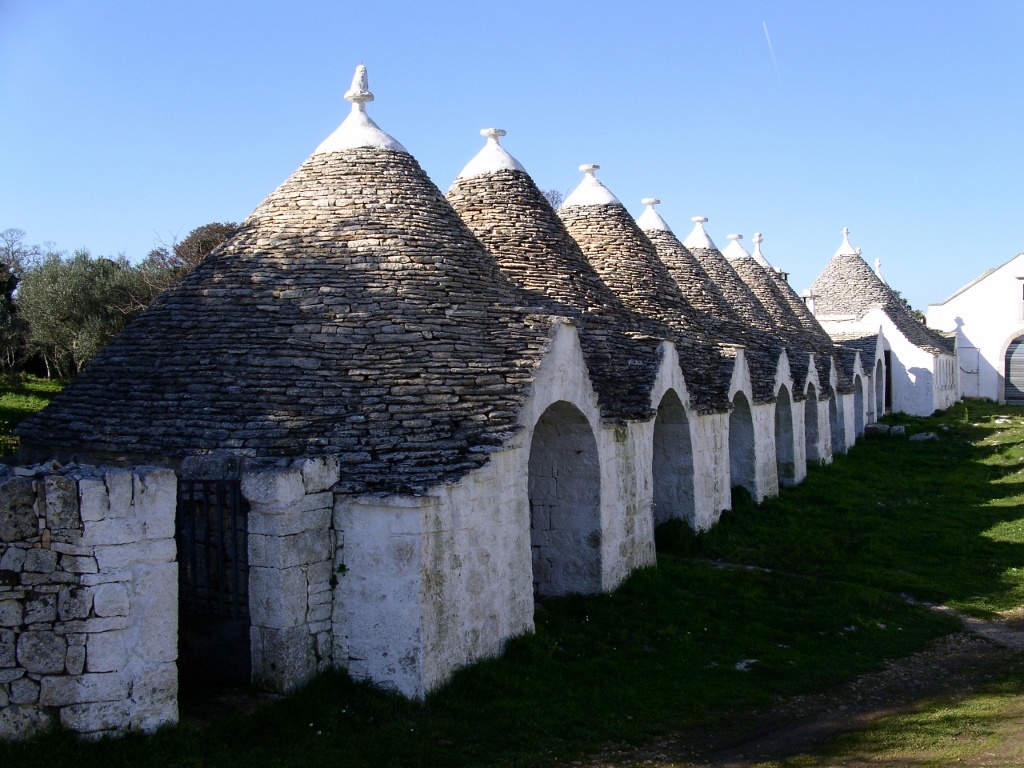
(88,600)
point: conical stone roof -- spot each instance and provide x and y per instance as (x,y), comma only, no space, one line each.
(352,314)
(848,286)
(788,327)
(704,294)
(508,213)
(628,263)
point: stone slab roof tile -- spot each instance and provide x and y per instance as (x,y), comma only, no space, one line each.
(353,314)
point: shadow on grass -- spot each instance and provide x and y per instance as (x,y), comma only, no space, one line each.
(942,521)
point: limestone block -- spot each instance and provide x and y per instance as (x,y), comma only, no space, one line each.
(273,487)
(4,699)
(157,590)
(106,652)
(24,691)
(320,473)
(921,437)
(154,699)
(40,561)
(7,641)
(282,659)
(110,600)
(41,652)
(13,559)
(22,722)
(93,501)
(18,518)
(119,492)
(112,558)
(289,551)
(102,686)
(10,674)
(11,613)
(74,603)
(76,564)
(156,499)
(74,660)
(277,598)
(296,520)
(876,429)
(897,430)
(114,530)
(62,503)
(40,608)
(98,716)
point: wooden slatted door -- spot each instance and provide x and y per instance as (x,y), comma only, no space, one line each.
(1014,372)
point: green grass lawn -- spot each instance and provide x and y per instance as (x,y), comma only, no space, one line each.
(818,603)
(20,397)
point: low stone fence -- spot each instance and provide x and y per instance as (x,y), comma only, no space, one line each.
(88,599)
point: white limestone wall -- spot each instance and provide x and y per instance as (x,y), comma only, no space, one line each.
(88,600)
(986,316)
(292,547)
(766,478)
(709,441)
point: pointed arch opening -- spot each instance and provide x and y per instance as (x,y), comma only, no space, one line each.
(879,390)
(741,445)
(673,462)
(858,405)
(837,422)
(784,459)
(1013,372)
(811,426)
(565,503)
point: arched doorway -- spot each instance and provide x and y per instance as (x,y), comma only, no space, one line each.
(741,445)
(879,390)
(785,462)
(858,405)
(1013,371)
(837,420)
(673,462)
(565,503)
(811,426)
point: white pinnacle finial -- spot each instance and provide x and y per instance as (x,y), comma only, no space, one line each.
(846,249)
(590,191)
(758,256)
(650,219)
(699,238)
(359,92)
(492,158)
(878,270)
(358,130)
(734,250)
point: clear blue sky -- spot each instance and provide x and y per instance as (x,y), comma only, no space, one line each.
(127,123)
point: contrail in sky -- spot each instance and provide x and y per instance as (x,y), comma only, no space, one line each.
(772,51)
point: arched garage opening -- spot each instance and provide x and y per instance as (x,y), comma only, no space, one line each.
(858,405)
(565,504)
(741,445)
(673,462)
(811,426)
(784,460)
(879,390)
(837,420)
(1013,371)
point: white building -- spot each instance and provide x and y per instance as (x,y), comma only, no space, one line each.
(850,299)
(987,316)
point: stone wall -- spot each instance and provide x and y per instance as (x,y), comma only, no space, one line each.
(88,599)
(291,570)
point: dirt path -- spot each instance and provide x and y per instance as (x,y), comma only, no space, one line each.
(953,666)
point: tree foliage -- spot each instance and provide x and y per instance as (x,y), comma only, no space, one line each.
(62,310)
